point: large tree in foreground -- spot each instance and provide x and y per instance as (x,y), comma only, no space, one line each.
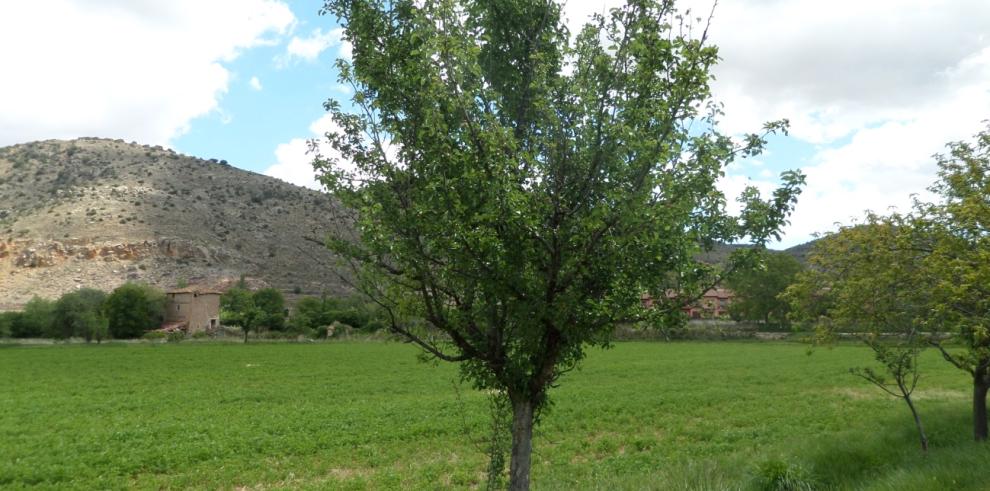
(514,193)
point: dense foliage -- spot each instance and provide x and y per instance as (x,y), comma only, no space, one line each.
(271,306)
(80,314)
(87,313)
(35,321)
(757,289)
(263,309)
(518,189)
(314,315)
(132,309)
(955,234)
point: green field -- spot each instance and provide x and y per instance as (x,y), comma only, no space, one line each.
(362,415)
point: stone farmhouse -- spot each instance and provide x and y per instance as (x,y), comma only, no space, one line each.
(714,304)
(192,309)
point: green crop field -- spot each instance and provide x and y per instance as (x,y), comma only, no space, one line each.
(360,415)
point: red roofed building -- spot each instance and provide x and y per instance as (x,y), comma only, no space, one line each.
(712,305)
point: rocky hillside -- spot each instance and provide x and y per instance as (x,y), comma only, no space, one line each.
(97,213)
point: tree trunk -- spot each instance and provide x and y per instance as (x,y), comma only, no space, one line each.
(980,410)
(245,335)
(917,422)
(522,445)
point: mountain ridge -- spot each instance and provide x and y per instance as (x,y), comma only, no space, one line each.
(94,212)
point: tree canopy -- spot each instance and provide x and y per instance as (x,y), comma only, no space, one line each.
(80,313)
(954,232)
(511,191)
(757,289)
(132,309)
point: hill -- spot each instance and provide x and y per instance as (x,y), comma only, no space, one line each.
(721,252)
(97,213)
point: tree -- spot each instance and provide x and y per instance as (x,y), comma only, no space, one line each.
(313,313)
(132,309)
(928,269)
(271,306)
(869,279)
(956,237)
(509,195)
(757,289)
(237,308)
(36,319)
(79,313)
(7,321)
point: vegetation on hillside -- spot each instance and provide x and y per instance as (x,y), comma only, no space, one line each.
(105,212)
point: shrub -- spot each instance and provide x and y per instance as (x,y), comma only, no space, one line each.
(36,319)
(153,336)
(133,309)
(320,332)
(79,313)
(7,320)
(271,304)
(776,475)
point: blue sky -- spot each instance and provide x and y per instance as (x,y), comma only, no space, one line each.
(250,123)
(872,89)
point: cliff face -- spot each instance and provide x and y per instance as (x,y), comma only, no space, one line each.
(97,213)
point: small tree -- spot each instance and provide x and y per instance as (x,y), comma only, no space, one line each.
(900,363)
(132,309)
(511,194)
(7,321)
(310,314)
(36,320)
(79,313)
(869,280)
(237,309)
(758,288)
(271,306)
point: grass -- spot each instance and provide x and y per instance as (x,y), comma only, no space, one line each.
(368,415)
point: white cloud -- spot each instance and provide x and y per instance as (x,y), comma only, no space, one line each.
(835,68)
(310,48)
(294,162)
(875,88)
(133,69)
(255,83)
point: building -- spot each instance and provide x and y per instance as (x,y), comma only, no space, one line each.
(713,304)
(192,309)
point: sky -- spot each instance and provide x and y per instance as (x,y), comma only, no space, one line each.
(872,88)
